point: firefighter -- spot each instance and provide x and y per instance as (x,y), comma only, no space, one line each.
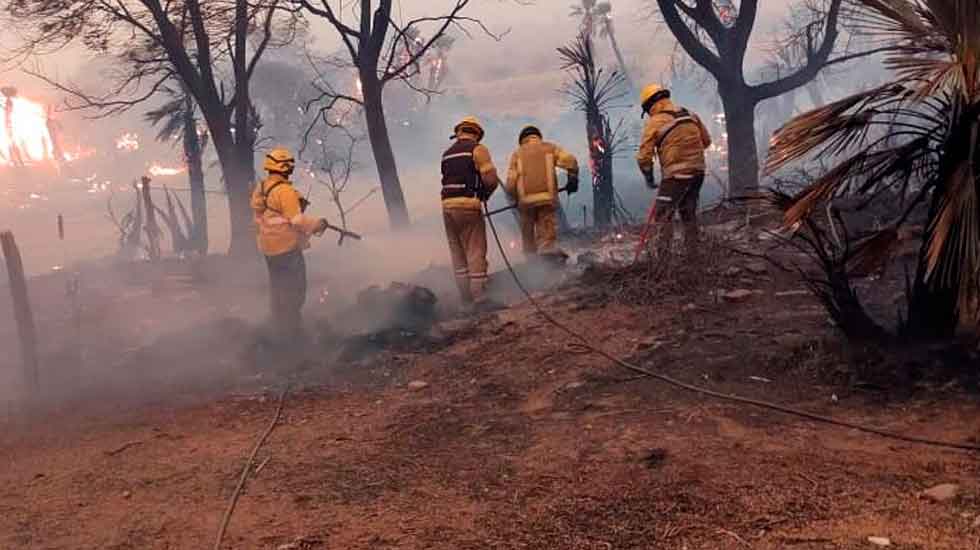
(533,183)
(284,231)
(678,138)
(468,179)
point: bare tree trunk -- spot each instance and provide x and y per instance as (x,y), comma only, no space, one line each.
(193,152)
(240,179)
(22,312)
(384,156)
(743,151)
(602,193)
(239,203)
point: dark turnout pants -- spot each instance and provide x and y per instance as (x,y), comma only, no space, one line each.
(679,195)
(287,292)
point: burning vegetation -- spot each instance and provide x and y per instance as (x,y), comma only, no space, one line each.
(25,131)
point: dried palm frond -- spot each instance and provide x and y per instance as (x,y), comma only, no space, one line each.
(916,136)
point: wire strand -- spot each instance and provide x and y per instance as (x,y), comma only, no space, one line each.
(705,391)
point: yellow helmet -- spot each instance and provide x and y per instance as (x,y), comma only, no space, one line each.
(652,94)
(472,125)
(279,161)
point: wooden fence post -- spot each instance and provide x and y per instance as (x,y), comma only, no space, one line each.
(22,311)
(152,229)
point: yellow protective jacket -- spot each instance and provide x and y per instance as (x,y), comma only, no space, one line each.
(282,226)
(677,137)
(531,177)
(488,175)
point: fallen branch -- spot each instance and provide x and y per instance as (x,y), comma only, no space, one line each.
(248,468)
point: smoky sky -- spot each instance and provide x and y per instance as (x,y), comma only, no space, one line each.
(517,71)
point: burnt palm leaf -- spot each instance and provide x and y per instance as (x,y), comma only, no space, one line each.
(917,135)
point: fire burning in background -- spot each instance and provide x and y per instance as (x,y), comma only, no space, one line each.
(128,142)
(24,134)
(157,170)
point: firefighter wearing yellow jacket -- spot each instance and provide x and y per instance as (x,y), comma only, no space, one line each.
(678,138)
(284,231)
(532,182)
(468,179)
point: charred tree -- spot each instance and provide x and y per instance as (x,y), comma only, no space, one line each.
(375,47)
(593,92)
(718,42)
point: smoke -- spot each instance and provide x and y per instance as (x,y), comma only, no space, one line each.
(152,332)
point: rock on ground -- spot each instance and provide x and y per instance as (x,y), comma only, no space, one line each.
(942,493)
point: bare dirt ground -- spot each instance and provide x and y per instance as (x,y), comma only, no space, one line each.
(521,440)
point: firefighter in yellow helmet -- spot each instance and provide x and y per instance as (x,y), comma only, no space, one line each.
(678,138)
(284,231)
(533,183)
(468,179)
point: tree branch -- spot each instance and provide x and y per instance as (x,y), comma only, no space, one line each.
(815,62)
(687,38)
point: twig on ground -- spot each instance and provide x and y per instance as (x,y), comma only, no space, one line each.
(248,468)
(734,536)
(122,448)
(264,462)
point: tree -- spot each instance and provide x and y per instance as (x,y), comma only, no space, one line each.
(177,119)
(917,138)
(204,45)
(381,51)
(718,42)
(597,20)
(594,92)
(332,167)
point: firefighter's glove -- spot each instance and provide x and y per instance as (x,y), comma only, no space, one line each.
(650,179)
(303,204)
(571,184)
(321,227)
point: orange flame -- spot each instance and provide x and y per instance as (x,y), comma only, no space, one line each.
(24,135)
(156,170)
(128,142)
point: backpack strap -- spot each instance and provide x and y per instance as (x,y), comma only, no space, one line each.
(682,116)
(266,192)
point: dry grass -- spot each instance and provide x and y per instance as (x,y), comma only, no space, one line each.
(658,277)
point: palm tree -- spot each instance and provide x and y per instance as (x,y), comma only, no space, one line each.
(597,20)
(593,92)
(918,137)
(177,118)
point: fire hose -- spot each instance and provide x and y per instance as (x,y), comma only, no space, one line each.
(587,344)
(343,232)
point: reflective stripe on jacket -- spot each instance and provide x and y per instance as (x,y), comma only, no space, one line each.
(482,164)
(531,177)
